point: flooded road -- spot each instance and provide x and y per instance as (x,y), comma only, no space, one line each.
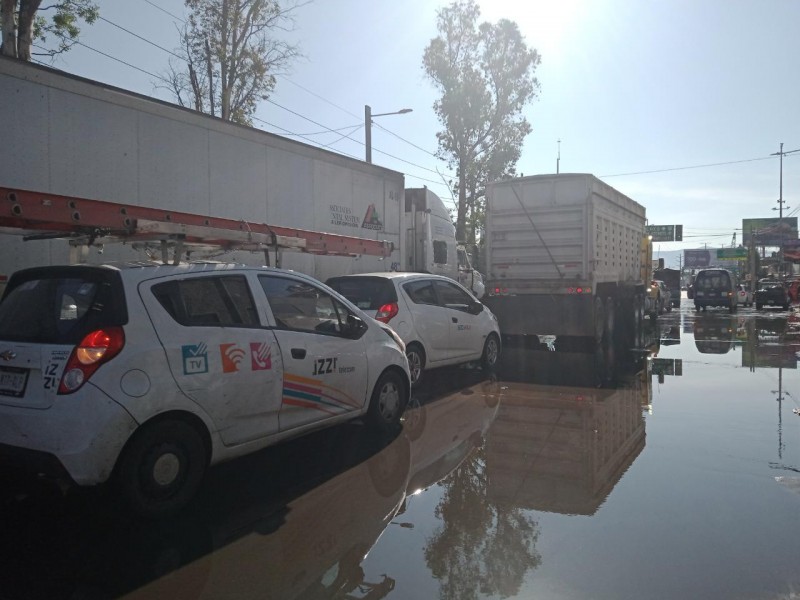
(668,470)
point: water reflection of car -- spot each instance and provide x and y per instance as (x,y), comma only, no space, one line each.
(261,528)
(769,343)
(315,551)
(563,448)
(715,333)
(772,293)
(445,430)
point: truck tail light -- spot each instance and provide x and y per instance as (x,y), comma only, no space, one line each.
(579,290)
(387,312)
(98,347)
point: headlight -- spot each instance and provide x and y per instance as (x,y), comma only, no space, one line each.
(397,340)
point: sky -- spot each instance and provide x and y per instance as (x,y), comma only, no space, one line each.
(680,104)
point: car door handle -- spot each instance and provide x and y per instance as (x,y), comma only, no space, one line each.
(455,319)
(298,352)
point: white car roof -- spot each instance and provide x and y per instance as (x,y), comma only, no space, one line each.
(137,271)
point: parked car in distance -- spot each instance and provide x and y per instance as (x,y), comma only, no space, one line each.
(743,295)
(144,374)
(772,293)
(440,322)
(715,287)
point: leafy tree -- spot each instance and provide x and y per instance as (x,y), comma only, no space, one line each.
(485,74)
(231,51)
(23,22)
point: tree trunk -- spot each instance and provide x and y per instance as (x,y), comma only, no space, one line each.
(461,219)
(7,9)
(27,12)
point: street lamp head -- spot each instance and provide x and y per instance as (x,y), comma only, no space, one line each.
(368,115)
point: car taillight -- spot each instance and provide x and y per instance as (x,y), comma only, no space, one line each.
(386,312)
(97,348)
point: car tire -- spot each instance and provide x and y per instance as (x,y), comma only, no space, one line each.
(416,363)
(758,306)
(491,352)
(161,467)
(388,402)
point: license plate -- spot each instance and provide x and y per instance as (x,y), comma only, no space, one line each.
(13,381)
(770,301)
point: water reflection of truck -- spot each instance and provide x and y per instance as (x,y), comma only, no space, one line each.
(563,448)
(566,256)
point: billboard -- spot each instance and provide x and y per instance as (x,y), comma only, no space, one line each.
(769,232)
(696,259)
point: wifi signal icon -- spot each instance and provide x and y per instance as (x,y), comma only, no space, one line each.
(232,356)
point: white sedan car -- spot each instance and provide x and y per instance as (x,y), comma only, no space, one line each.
(440,322)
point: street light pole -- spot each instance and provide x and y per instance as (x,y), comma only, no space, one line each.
(368,126)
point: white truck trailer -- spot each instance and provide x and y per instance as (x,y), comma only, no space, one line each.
(567,256)
(74,137)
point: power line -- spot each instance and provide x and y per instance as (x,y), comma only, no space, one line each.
(136,35)
(732,162)
(165,11)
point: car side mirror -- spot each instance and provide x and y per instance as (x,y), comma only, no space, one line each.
(476,307)
(355,327)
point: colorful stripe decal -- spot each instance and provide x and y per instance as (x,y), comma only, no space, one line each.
(304,392)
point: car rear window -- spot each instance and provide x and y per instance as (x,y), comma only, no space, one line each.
(61,305)
(367,293)
(719,280)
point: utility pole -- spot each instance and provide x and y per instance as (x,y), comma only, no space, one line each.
(781,153)
(558,158)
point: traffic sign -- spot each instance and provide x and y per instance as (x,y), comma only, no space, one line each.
(661,233)
(665,233)
(731,253)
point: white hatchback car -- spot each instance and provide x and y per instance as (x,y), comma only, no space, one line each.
(440,322)
(146,374)
(744,295)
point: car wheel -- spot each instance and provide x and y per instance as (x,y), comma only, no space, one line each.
(388,402)
(491,352)
(416,363)
(161,467)
(758,306)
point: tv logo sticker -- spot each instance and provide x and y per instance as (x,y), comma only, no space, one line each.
(261,356)
(195,359)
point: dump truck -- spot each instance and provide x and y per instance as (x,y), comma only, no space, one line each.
(567,257)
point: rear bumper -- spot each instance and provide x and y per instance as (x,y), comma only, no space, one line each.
(33,462)
(80,435)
